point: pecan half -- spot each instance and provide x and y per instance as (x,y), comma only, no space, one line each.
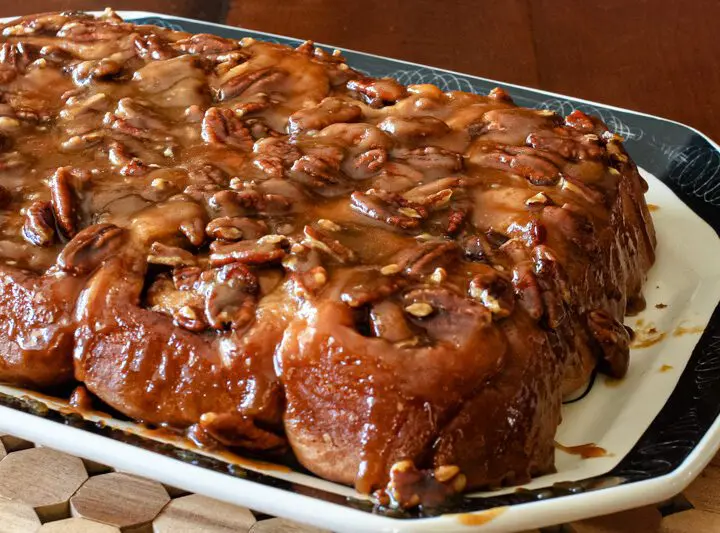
(241,83)
(410,487)
(378,91)
(268,249)
(330,110)
(222,126)
(424,258)
(120,156)
(89,248)
(236,228)
(567,143)
(62,198)
(316,170)
(537,170)
(95,69)
(321,240)
(365,286)
(248,201)
(152,47)
(304,263)
(239,431)
(414,128)
(430,158)
(391,209)
(205,43)
(39,226)
(387,320)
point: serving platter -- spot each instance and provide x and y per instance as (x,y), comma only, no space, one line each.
(645,437)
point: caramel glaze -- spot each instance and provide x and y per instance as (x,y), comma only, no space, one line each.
(262,246)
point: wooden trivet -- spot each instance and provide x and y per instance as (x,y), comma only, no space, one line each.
(45,491)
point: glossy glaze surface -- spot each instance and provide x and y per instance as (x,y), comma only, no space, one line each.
(264,247)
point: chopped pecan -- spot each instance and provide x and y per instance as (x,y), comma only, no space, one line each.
(318,238)
(89,248)
(330,110)
(378,91)
(268,249)
(222,126)
(162,254)
(62,198)
(39,226)
(241,83)
(492,289)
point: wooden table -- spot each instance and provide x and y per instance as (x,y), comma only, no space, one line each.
(45,491)
(659,56)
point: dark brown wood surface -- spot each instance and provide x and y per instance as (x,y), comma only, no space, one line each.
(657,56)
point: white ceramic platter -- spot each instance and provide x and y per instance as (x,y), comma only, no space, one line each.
(682,293)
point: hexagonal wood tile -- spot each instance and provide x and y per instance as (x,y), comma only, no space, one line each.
(280,525)
(14,444)
(77,525)
(42,478)
(121,500)
(18,517)
(198,514)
